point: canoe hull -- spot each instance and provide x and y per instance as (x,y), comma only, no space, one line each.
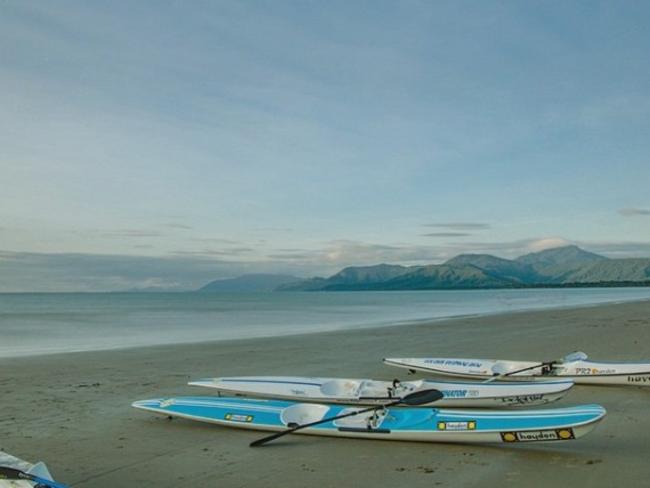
(580,372)
(403,424)
(371,392)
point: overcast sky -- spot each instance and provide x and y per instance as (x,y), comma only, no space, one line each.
(169,143)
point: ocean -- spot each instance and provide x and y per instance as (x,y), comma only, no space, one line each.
(41,323)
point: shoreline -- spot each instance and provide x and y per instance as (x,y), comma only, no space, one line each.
(359,327)
(591,285)
(73,410)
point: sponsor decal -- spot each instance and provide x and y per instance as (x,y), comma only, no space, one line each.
(454,362)
(593,371)
(167,403)
(468,425)
(638,379)
(235,417)
(454,393)
(521,399)
(298,392)
(460,393)
(538,435)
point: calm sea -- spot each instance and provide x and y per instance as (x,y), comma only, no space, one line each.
(34,323)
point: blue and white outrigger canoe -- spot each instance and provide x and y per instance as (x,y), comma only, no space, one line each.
(575,367)
(400,424)
(16,473)
(372,392)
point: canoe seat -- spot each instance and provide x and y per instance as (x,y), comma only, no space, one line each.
(340,388)
(362,420)
(373,389)
(379,389)
(303,413)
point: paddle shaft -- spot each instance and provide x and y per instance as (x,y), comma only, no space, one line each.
(260,442)
(569,358)
(540,365)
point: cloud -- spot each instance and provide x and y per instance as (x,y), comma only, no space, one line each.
(633,212)
(446,234)
(51,272)
(131,233)
(617,249)
(506,249)
(460,225)
(342,252)
(215,240)
(174,225)
(98,272)
(293,256)
(515,248)
(276,229)
(188,270)
(537,245)
(235,251)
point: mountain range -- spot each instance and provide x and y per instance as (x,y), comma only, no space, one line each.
(249,283)
(562,266)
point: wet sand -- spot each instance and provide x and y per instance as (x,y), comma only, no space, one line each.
(73,410)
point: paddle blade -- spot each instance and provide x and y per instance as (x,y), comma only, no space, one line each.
(264,440)
(422,397)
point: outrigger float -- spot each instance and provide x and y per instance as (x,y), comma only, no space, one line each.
(371,392)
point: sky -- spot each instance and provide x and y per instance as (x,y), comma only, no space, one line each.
(165,144)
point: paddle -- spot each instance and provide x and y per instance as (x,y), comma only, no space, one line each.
(569,358)
(17,474)
(416,398)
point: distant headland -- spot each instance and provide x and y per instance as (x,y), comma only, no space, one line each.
(568,266)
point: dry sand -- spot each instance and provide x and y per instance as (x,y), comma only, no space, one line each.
(73,410)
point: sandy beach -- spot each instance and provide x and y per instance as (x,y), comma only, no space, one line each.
(73,410)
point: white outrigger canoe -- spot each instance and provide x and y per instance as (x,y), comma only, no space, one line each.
(401,424)
(371,392)
(574,367)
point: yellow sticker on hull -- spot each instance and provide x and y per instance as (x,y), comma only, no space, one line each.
(538,435)
(468,425)
(235,417)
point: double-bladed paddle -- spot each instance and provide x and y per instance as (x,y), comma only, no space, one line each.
(569,358)
(16,474)
(417,398)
